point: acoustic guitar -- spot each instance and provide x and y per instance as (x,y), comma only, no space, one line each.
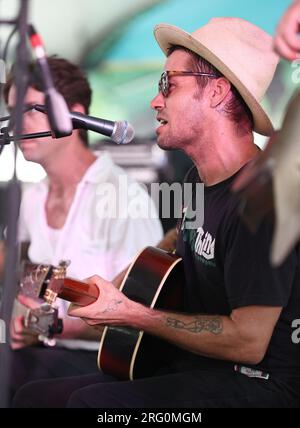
(155,279)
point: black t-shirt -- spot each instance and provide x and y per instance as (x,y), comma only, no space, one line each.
(227,267)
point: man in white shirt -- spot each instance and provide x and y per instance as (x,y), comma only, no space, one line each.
(81,212)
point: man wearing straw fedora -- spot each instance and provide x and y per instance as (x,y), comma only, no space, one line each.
(238,345)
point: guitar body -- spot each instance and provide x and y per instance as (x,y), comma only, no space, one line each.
(155,279)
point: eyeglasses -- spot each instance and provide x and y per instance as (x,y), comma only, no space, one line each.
(164,85)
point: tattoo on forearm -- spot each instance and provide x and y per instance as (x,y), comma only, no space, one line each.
(112,306)
(213,324)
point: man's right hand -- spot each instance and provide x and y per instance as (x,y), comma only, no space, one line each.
(21,336)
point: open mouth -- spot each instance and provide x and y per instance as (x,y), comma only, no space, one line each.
(162,121)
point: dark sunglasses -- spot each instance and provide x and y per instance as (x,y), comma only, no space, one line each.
(164,85)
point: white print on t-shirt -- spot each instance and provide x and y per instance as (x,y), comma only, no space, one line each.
(205,244)
(296,333)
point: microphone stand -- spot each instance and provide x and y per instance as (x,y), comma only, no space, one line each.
(13,204)
(5,138)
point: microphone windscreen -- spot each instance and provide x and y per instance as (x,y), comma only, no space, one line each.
(123,132)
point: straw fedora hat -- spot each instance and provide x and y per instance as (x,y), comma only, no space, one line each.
(241,51)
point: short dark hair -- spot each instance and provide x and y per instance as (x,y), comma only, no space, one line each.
(235,109)
(68,79)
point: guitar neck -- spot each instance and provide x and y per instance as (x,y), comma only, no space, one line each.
(74,291)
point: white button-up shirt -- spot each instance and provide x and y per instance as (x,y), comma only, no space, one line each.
(111,218)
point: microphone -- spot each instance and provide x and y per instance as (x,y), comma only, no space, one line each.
(58,112)
(121,132)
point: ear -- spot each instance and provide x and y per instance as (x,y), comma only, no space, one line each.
(220,88)
(78,108)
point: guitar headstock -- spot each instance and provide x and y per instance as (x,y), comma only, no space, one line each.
(54,283)
(35,280)
(48,282)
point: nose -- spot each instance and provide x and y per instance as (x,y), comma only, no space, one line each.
(158,102)
(26,122)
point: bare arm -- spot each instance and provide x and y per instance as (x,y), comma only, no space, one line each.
(243,336)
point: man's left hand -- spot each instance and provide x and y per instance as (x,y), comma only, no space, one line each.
(111,308)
